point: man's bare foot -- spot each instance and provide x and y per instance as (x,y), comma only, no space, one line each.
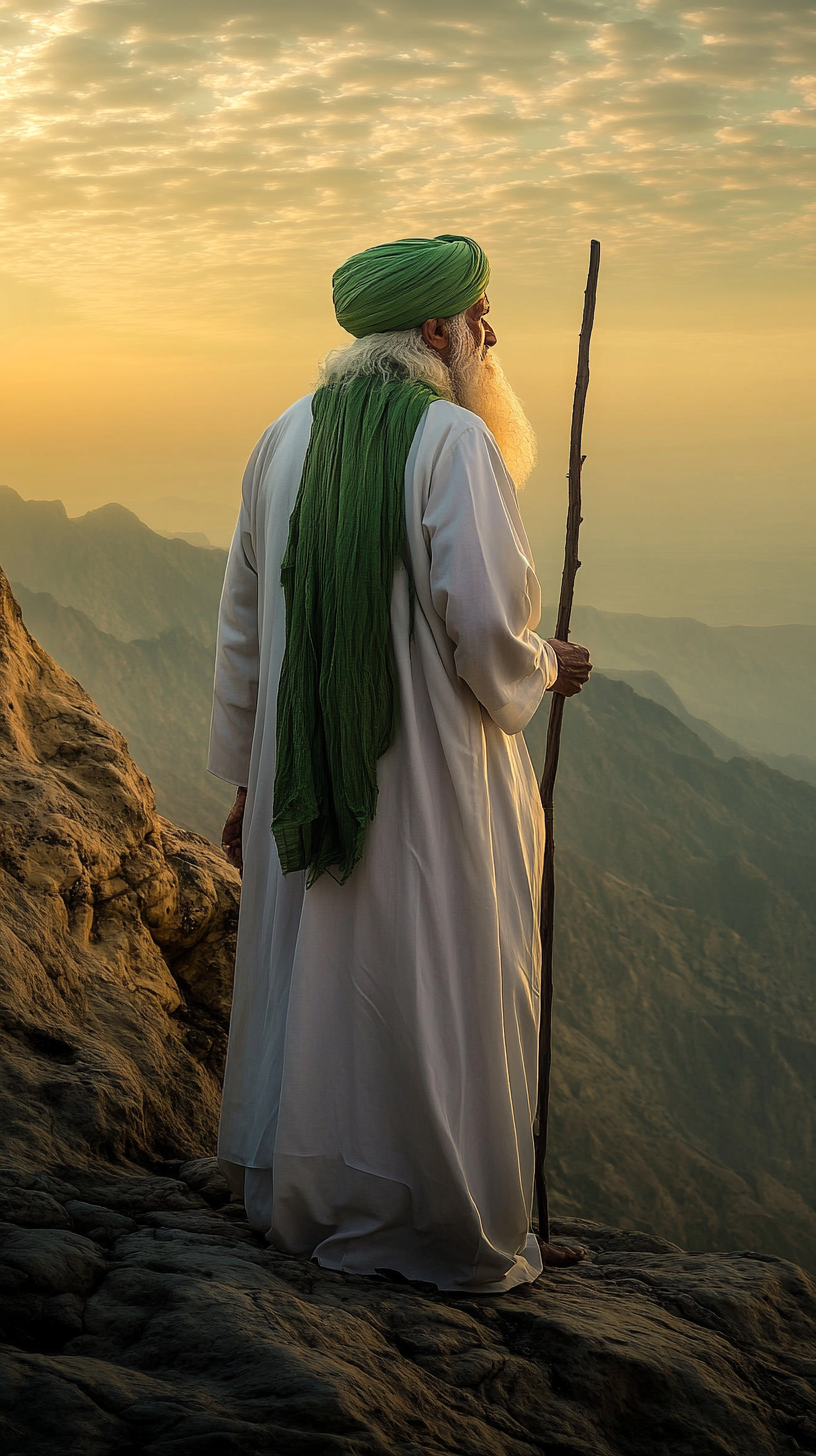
(556,1256)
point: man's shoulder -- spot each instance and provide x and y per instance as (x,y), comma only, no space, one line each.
(284,432)
(452,419)
(295,415)
(302,406)
(450,427)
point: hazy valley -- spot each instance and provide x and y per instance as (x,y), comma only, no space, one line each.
(131,615)
(685,962)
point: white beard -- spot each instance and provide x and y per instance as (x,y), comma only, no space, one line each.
(473,379)
(480,384)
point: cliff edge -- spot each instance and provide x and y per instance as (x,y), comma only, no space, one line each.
(116,935)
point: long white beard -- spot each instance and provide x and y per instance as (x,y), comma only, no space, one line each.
(480,384)
(473,379)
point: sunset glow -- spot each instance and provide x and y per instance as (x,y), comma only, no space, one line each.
(181,179)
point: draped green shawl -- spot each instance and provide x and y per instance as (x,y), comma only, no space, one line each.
(337,699)
(338,702)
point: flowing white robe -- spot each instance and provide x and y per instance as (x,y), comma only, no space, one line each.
(381,1076)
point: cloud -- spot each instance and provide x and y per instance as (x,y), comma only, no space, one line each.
(170,141)
(794,117)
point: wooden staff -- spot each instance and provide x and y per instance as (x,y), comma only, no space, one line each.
(547,785)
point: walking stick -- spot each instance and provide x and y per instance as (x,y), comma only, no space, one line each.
(547,785)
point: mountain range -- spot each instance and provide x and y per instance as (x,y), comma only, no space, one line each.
(684,1089)
(130,581)
(755,684)
(651,685)
(131,615)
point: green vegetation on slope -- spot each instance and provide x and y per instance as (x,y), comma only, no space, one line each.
(684,1092)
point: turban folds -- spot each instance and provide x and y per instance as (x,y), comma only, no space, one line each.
(400,285)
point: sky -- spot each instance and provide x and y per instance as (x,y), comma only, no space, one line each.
(180,179)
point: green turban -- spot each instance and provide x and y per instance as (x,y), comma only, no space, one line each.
(400,285)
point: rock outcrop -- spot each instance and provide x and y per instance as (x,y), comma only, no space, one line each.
(141,1314)
(116,936)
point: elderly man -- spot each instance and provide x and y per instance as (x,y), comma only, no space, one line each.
(377,661)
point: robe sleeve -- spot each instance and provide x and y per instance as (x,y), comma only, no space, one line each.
(483,583)
(237,659)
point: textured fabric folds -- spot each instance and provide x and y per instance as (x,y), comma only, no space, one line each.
(399,285)
(337,699)
(380,1084)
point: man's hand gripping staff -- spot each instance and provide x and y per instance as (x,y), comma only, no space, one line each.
(574,667)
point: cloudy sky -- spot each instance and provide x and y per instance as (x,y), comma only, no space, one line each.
(181,176)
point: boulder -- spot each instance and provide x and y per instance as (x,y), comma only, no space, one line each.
(205,1176)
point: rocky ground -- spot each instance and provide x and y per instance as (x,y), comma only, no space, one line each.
(143,1315)
(140,1314)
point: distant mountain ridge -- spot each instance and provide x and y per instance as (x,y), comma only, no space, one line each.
(130,581)
(132,616)
(157,691)
(685,1060)
(757,685)
(652,685)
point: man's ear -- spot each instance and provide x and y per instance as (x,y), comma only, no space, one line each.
(435,333)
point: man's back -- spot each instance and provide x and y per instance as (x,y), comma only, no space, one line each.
(381,1076)
(377,996)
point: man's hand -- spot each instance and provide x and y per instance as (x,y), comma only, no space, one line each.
(574,667)
(232,832)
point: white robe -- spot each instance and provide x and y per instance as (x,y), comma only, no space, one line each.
(381,1077)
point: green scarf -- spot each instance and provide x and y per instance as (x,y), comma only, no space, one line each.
(337,698)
